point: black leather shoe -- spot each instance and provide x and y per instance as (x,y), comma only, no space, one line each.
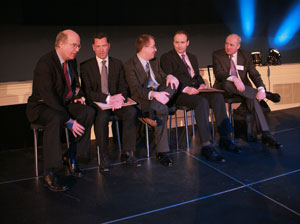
(130,160)
(164,159)
(51,181)
(269,140)
(274,97)
(71,167)
(210,153)
(229,146)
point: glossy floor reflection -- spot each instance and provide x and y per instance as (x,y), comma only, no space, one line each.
(260,185)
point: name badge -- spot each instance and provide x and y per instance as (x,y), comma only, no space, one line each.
(240,67)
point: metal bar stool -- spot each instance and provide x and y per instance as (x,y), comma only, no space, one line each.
(36,128)
(185,110)
(111,119)
(172,111)
(229,99)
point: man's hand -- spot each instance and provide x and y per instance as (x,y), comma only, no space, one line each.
(203,86)
(161,97)
(76,128)
(116,101)
(260,95)
(81,100)
(173,81)
(190,90)
(239,84)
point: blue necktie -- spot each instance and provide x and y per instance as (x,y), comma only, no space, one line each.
(151,82)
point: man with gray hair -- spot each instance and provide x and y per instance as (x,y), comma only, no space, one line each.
(57,101)
(232,68)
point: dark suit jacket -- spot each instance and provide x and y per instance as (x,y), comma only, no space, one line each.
(171,63)
(49,86)
(91,79)
(221,67)
(138,80)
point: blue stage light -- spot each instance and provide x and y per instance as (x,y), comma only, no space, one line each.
(247,13)
(289,27)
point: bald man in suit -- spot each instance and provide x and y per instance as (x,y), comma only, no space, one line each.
(233,69)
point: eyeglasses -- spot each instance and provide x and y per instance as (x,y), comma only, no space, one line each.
(74,46)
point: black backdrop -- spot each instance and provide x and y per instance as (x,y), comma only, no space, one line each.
(28,28)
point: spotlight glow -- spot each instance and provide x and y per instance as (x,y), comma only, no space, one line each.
(289,27)
(247,13)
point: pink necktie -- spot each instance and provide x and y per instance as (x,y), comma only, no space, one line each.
(186,64)
(232,67)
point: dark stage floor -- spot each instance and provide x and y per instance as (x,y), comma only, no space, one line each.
(260,185)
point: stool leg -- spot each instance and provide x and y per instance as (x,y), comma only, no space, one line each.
(118,134)
(186,130)
(212,125)
(193,122)
(147,140)
(170,126)
(35,137)
(176,131)
(98,155)
(230,119)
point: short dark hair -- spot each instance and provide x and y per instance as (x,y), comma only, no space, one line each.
(182,32)
(142,41)
(100,36)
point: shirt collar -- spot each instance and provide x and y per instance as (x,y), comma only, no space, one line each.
(180,54)
(142,60)
(99,60)
(61,60)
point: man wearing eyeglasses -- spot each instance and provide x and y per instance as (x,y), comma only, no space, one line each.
(57,101)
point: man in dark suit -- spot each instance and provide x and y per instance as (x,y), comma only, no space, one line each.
(152,89)
(103,80)
(232,68)
(184,66)
(56,101)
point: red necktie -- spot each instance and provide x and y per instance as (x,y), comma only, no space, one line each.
(67,77)
(232,67)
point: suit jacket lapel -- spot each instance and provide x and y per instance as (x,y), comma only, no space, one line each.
(240,61)
(110,72)
(180,61)
(226,61)
(61,70)
(193,63)
(143,77)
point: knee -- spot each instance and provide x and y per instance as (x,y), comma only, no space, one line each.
(227,85)
(90,113)
(219,98)
(56,118)
(201,103)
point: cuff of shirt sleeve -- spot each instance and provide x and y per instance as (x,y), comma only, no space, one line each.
(149,94)
(261,89)
(107,99)
(230,78)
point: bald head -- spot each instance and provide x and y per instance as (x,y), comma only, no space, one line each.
(67,44)
(232,43)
